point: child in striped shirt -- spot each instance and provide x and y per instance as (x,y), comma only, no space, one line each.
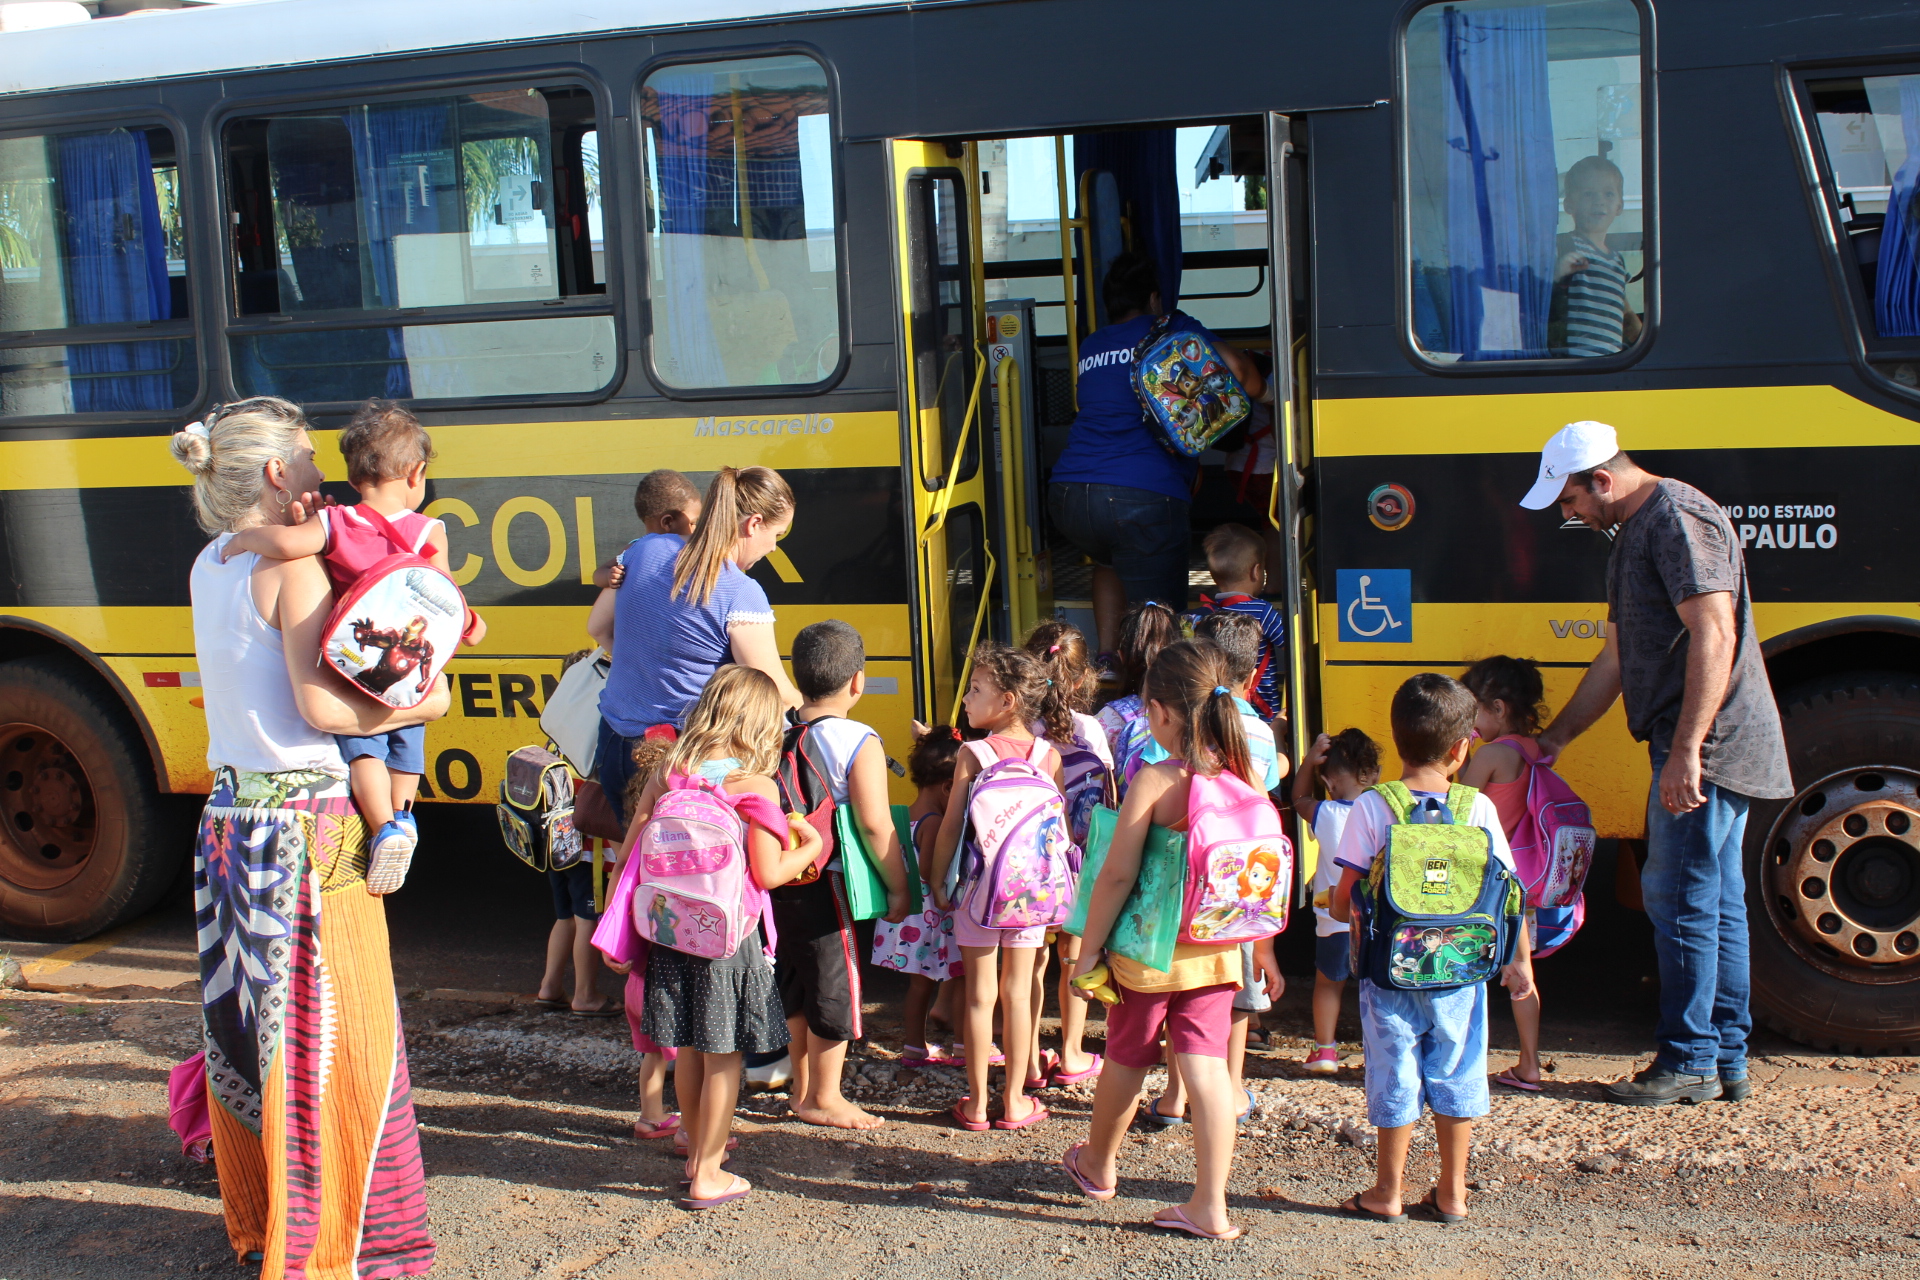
(1591,278)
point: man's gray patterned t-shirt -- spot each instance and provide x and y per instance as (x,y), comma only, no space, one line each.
(1679,544)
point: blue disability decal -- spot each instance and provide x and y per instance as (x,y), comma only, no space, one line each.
(1376,605)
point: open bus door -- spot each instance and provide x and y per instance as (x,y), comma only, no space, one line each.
(942,397)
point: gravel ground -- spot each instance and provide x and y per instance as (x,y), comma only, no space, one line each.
(526,1121)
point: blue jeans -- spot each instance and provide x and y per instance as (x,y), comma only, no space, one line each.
(1141,535)
(614,766)
(1694,886)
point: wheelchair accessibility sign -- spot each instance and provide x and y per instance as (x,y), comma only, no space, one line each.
(1376,605)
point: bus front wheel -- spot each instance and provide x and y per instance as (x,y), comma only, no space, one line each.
(83,834)
(1833,875)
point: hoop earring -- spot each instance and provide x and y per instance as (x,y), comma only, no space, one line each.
(285,497)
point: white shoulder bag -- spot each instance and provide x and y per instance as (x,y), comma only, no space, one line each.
(572,717)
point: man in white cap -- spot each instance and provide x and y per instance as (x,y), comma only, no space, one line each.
(1681,648)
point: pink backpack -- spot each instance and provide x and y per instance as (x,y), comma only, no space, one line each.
(1239,863)
(1553,845)
(392,631)
(1020,854)
(693,890)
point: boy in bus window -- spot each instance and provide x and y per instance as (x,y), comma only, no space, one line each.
(1590,309)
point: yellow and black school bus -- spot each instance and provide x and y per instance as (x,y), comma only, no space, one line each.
(862,241)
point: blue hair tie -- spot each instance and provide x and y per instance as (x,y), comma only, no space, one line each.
(1219,689)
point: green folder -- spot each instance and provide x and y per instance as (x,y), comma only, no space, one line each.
(866,890)
(1149,922)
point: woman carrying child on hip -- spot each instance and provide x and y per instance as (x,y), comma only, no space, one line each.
(714,1009)
(1509,694)
(1192,713)
(922,946)
(1002,698)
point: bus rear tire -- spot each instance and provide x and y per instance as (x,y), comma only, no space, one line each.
(1833,875)
(86,841)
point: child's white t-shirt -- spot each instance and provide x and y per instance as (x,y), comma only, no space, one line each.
(1329,821)
(839,741)
(1088,733)
(1366,830)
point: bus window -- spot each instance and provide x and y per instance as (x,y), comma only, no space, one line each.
(1869,133)
(941,280)
(91,239)
(482,200)
(1526,192)
(742,262)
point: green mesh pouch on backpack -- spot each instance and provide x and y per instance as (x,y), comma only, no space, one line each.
(1438,910)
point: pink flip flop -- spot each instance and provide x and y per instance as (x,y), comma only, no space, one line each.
(966,1122)
(1038,1115)
(1177,1220)
(665,1129)
(1071,1163)
(1513,1081)
(1079,1077)
(714,1202)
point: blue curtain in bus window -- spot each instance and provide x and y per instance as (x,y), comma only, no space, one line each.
(694,198)
(1502,186)
(1141,162)
(1896,289)
(401,151)
(116,260)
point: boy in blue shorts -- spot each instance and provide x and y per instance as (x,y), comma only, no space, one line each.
(1424,1048)
(1237,559)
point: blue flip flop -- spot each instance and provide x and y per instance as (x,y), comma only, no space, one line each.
(1156,1116)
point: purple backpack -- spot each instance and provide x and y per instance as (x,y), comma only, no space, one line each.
(1020,854)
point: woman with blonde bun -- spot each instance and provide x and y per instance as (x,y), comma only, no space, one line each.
(307,1085)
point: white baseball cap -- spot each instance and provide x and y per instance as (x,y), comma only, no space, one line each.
(1577,446)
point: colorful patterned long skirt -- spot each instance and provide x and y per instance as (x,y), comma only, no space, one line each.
(313,1127)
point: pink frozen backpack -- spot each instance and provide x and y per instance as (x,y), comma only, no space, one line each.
(694,891)
(1553,845)
(1239,863)
(1021,857)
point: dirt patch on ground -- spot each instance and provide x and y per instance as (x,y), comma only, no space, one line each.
(526,1125)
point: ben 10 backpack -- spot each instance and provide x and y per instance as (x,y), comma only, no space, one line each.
(1438,910)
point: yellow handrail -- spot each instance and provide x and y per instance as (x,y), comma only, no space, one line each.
(973,639)
(938,517)
(1013,490)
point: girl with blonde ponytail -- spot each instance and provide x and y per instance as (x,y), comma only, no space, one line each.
(685,608)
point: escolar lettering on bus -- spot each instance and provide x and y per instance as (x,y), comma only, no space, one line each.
(810,425)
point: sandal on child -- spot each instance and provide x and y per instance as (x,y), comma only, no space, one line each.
(1359,1210)
(1176,1219)
(1092,1072)
(644,1128)
(961,1118)
(1071,1163)
(1251,1104)
(741,1189)
(1039,1115)
(1159,1117)
(1512,1080)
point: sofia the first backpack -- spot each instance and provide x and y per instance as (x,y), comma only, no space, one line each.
(1239,863)
(1021,859)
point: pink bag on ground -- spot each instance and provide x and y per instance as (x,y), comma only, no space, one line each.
(187,1107)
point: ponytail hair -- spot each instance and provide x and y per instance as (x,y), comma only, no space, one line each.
(1145,630)
(228,451)
(1189,679)
(1062,651)
(734,495)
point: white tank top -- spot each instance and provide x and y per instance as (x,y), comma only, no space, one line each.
(252,721)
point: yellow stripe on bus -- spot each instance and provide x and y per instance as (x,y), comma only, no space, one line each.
(1692,418)
(489,449)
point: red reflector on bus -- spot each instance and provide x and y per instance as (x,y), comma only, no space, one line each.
(163,679)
